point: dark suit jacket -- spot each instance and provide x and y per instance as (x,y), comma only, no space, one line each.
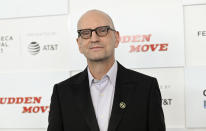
(71,106)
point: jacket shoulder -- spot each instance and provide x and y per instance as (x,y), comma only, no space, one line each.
(139,75)
(135,76)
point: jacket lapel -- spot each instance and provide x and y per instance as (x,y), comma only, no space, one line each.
(84,101)
(121,97)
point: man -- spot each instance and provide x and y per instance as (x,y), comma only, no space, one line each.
(105,96)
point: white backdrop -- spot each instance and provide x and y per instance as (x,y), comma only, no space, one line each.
(195,97)
(195,39)
(50,33)
(28,8)
(25,98)
(32,45)
(195,26)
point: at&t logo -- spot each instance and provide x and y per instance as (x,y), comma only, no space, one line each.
(34,48)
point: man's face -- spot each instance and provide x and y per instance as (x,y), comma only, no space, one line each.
(97,48)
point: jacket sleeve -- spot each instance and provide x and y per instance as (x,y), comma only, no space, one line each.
(156,120)
(55,116)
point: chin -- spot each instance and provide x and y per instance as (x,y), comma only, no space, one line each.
(99,59)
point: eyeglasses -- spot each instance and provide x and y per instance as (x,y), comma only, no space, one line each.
(100,31)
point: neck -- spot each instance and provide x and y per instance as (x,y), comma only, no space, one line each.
(99,68)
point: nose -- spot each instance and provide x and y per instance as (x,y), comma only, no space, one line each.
(94,37)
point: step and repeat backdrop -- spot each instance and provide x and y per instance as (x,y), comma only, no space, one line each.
(195,45)
(164,39)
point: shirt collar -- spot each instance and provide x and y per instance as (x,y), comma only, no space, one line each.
(112,73)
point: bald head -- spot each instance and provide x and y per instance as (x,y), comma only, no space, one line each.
(94,18)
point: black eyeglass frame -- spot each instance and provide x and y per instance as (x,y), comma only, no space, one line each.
(91,30)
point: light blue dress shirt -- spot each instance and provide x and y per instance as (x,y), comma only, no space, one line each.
(102,93)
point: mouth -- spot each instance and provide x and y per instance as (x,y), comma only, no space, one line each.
(96,48)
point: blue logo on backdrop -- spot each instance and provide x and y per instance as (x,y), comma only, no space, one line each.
(205,104)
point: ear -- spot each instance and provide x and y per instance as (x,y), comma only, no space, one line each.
(117,37)
(79,45)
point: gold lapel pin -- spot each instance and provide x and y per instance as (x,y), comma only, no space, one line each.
(122,105)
